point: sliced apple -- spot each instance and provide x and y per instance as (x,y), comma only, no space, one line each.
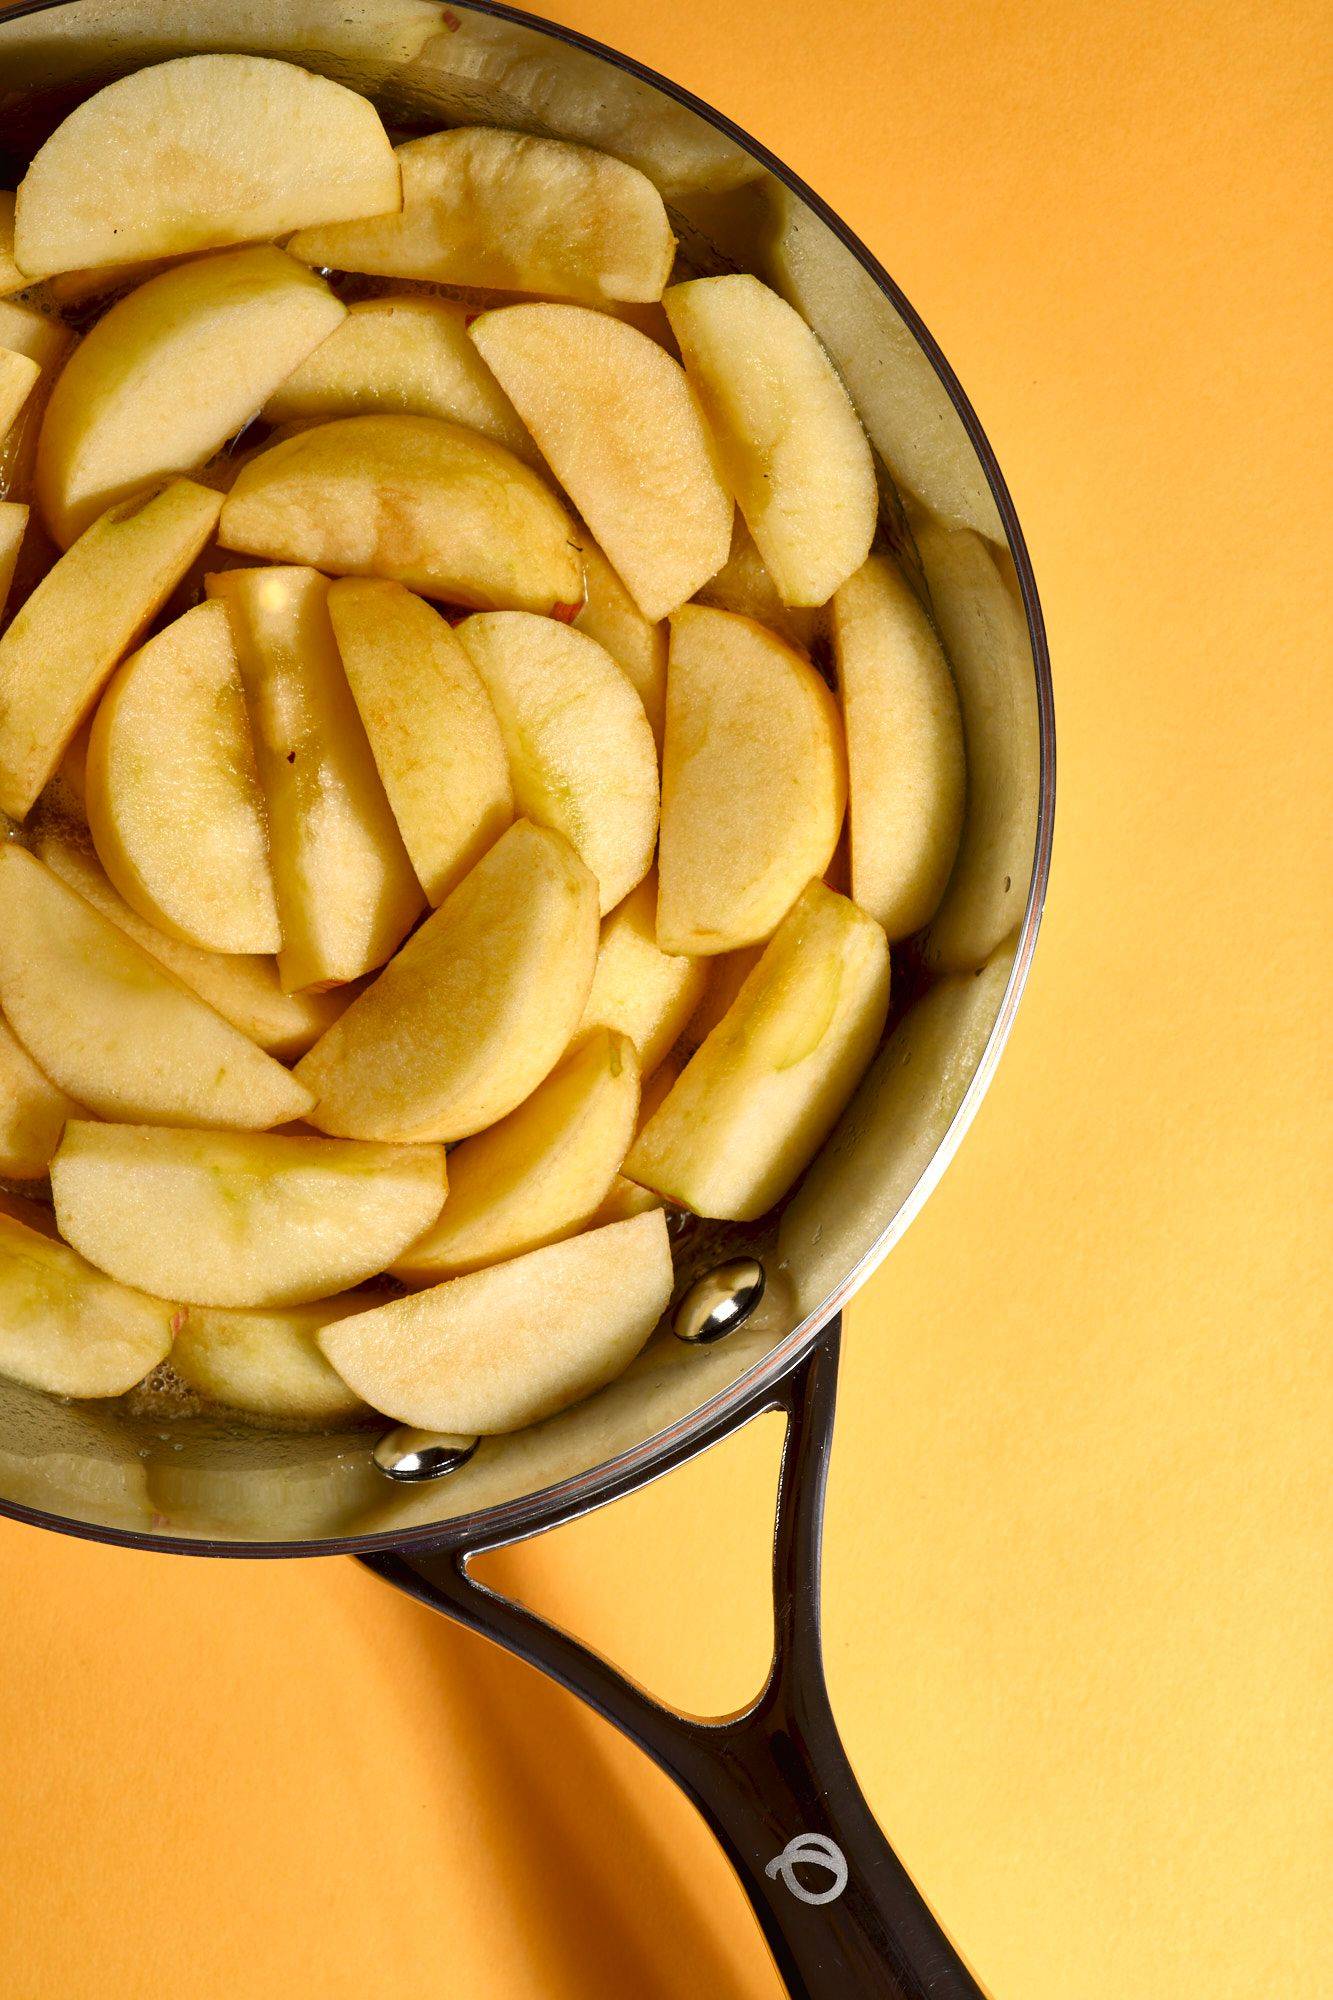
(423,502)
(503,209)
(13,522)
(11,278)
(905,770)
(753,782)
(795,454)
(541,1172)
(430,724)
(64,640)
(727,973)
(111,1028)
(244,989)
(743,584)
(617,422)
(986,639)
(171,793)
(476,1008)
(169,373)
(197,153)
(638,645)
(18,378)
(638,989)
(403,352)
(67,1329)
(240,1219)
(625,1198)
(32,1112)
(581,753)
(346,891)
(267,1360)
(500,1348)
(46,341)
(752,1108)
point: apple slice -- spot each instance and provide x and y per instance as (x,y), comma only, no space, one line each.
(752,1108)
(267,1360)
(18,378)
(500,1348)
(423,502)
(905,770)
(638,989)
(727,973)
(626,1198)
(346,892)
(581,753)
(504,210)
(744,585)
(245,990)
(32,1112)
(795,455)
(753,782)
(24,330)
(169,373)
(111,1028)
(541,1172)
(476,1008)
(67,1329)
(240,1219)
(196,153)
(13,521)
(11,278)
(430,724)
(172,797)
(64,640)
(638,645)
(617,422)
(402,352)
(986,640)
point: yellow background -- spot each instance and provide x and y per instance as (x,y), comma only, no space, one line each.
(1078,1635)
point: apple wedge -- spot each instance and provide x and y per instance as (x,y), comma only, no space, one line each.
(795,454)
(541,1172)
(477,1007)
(171,793)
(406,353)
(13,522)
(744,585)
(111,1028)
(617,422)
(32,1112)
(986,640)
(244,989)
(638,989)
(18,378)
(67,1329)
(169,373)
(198,153)
(420,501)
(499,1348)
(753,782)
(240,1219)
(752,1108)
(267,1360)
(501,209)
(581,754)
(625,1198)
(431,727)
(64,640)
(905,771)
(638,645)
(24,330)
(727,973)
(11,278)
(346,892)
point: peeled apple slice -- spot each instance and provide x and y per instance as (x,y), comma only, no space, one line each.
(267,1359)
(169,373)
(506,211)
(46,341)
(420,501)
(111,1028)
(751,1109)
(13,522)
(502,1347)
(638,989)
(196,153)
(638,645)
(240,1219)
(32,1112)
(18,378)
(67,1329)
(11,278)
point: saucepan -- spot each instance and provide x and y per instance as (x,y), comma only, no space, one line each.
(756,1325)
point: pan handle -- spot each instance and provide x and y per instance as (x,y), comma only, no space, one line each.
(836,1906)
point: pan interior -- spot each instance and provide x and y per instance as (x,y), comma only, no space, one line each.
(188,1480)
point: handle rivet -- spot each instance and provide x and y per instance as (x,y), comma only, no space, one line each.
(407,1454)
(720,1301)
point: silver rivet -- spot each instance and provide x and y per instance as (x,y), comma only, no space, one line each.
(720,1301)
(409,1454)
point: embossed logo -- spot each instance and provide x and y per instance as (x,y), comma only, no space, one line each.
(813,1850)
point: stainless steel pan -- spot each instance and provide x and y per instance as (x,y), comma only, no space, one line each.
(774,1783)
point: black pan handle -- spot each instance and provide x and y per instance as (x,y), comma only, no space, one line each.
(836,1905)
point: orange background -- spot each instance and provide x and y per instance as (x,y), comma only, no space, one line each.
(1077,1623)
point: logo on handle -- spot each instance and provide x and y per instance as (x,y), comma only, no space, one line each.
(815,1850)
